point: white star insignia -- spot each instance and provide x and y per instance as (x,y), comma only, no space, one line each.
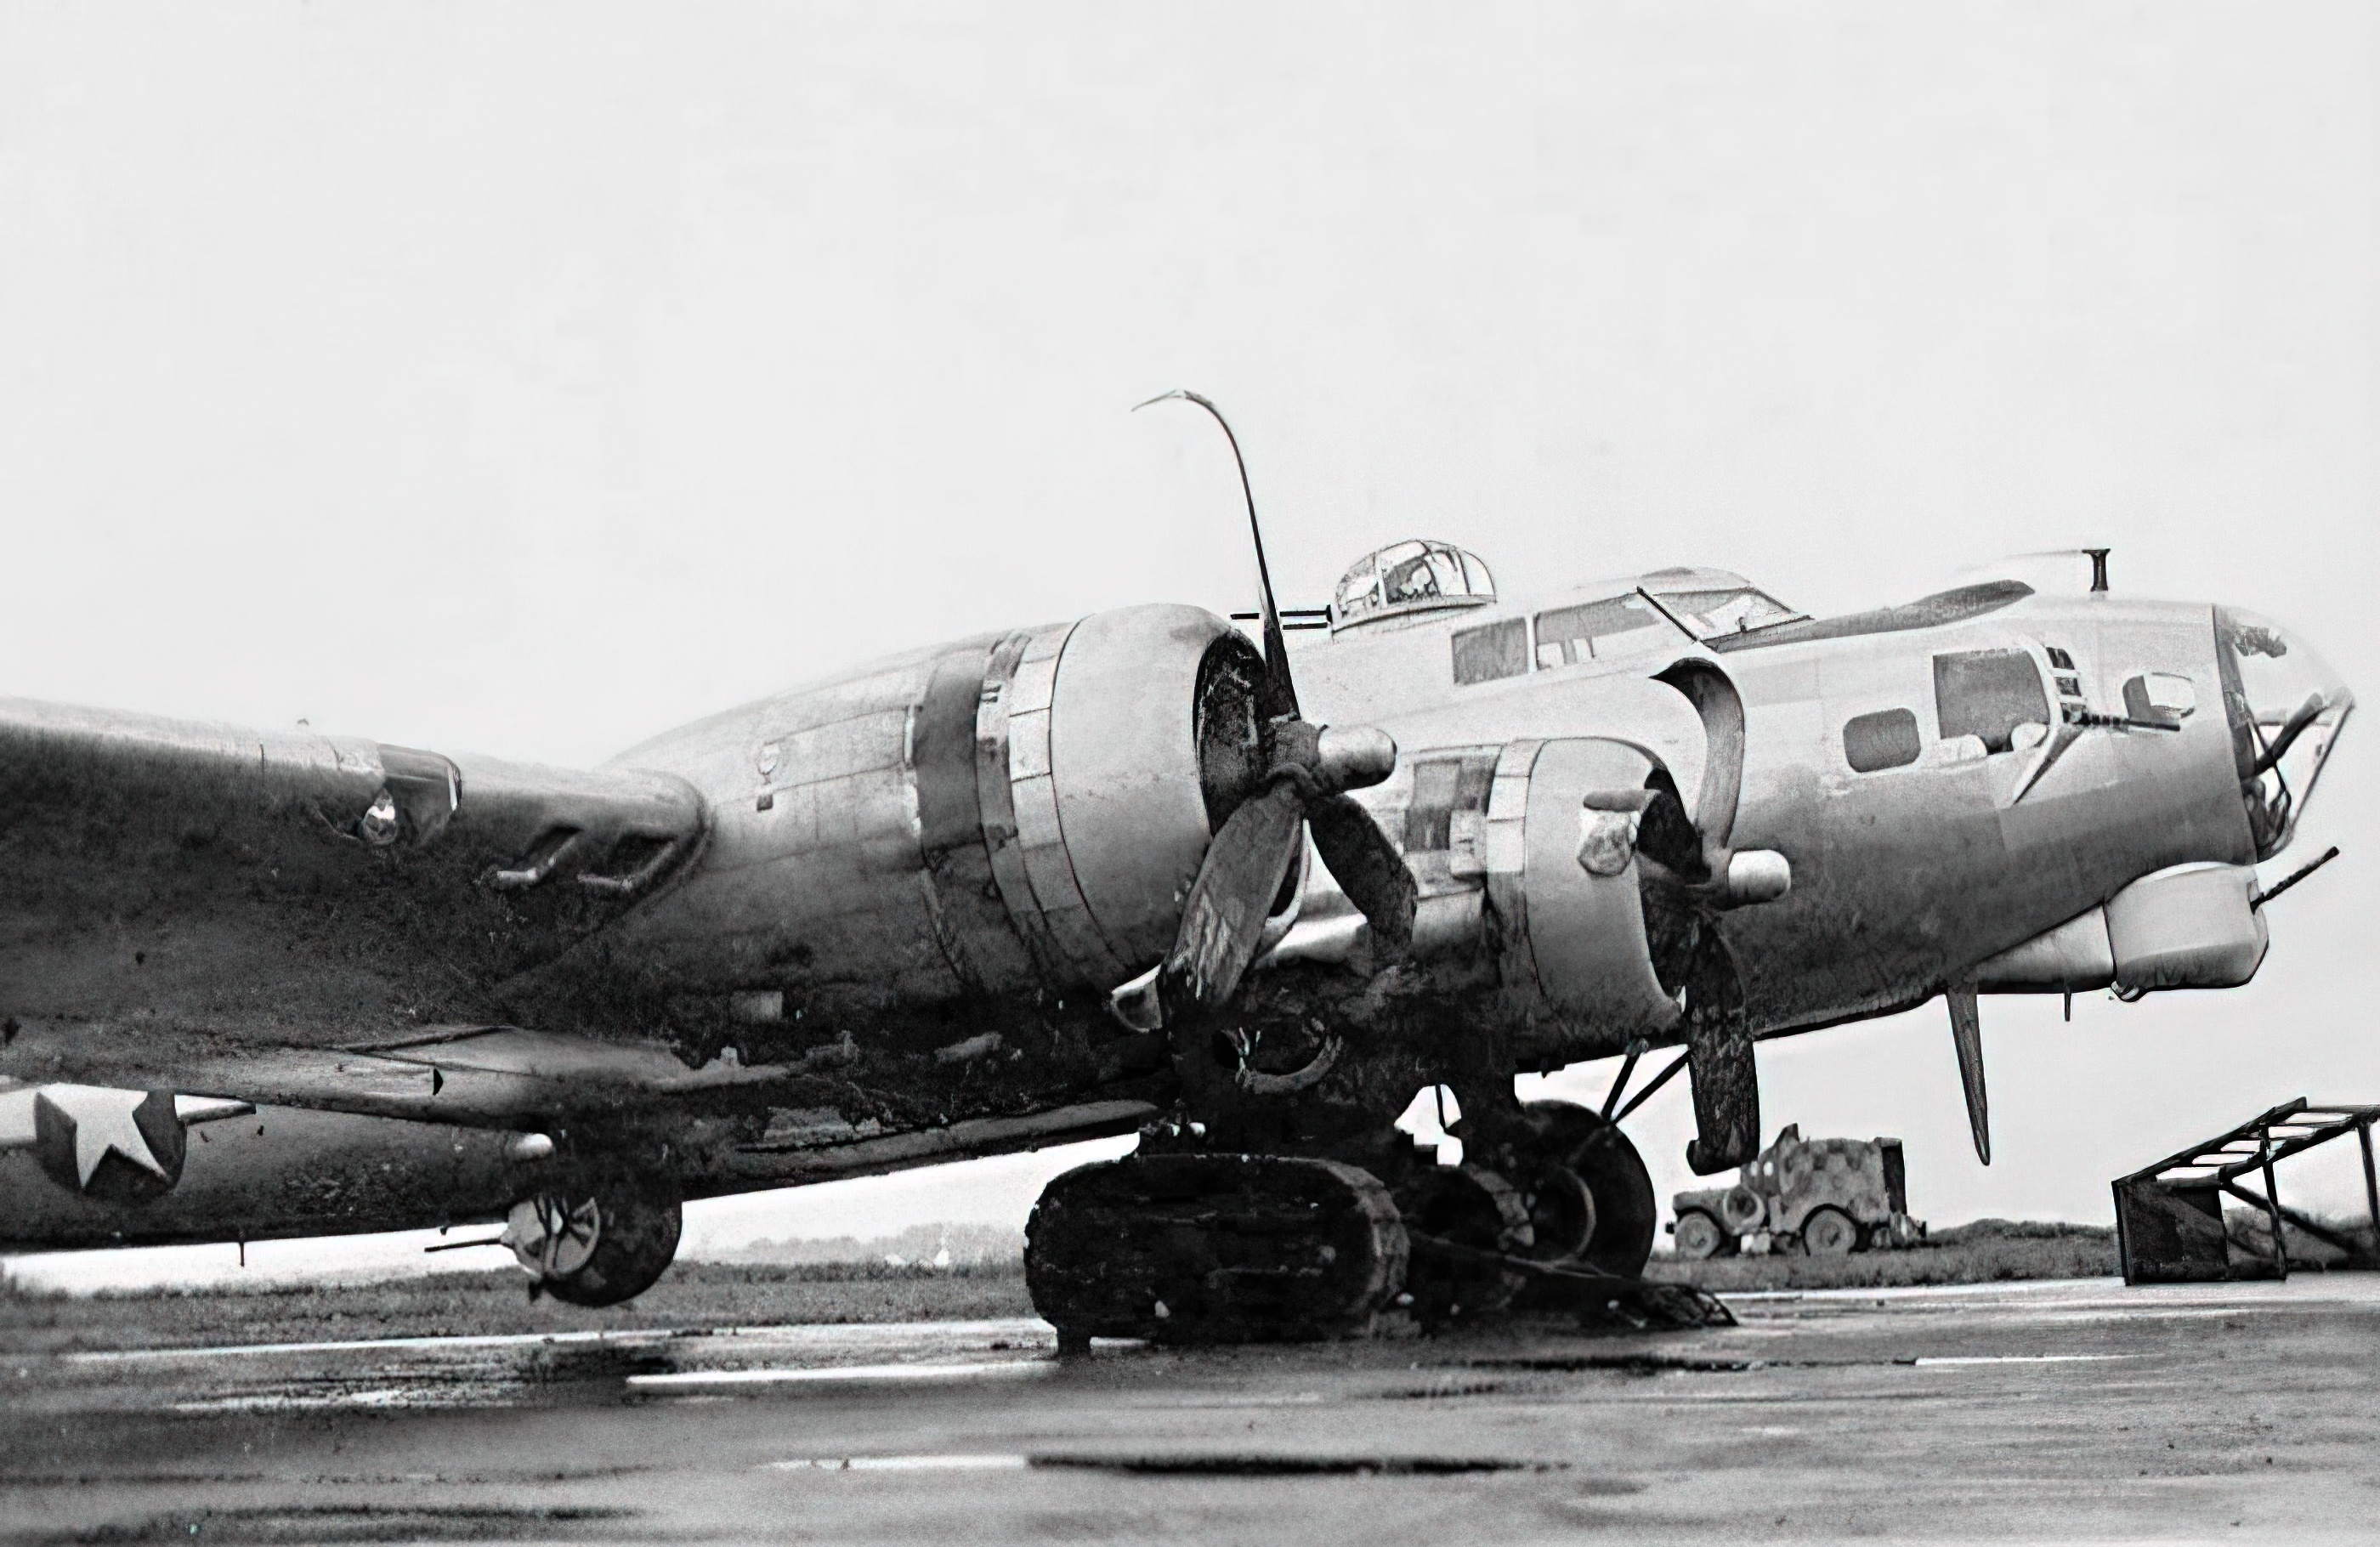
(102,1121)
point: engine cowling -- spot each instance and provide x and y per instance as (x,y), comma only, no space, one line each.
(1562,877)
(1014,812)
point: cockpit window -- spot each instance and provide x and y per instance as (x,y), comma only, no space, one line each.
(1567,635)
(1988,694)
(1886,739)
(1496,650)
(1735,610)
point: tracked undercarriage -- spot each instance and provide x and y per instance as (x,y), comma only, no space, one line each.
(1204,1245)
(1285,1206)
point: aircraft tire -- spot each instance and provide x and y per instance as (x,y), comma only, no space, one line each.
(1209,1249)
(1562,1213)
(598,1246)
(1627,1214)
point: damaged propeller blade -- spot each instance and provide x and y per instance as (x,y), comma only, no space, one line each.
(1278,696)
(1308,771)
(1691,877)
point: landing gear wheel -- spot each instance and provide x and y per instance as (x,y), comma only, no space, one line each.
(1477,1212)
(1829,1231)
(1213,1249)
(1583,1142)
(595,1246)
(1562,1213)
(1699,1236)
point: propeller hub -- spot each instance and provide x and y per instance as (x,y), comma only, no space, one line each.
(1354,757)
(1757,875)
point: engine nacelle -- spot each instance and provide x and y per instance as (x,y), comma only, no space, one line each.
(1527,850)
(1562,878)
(1008,813)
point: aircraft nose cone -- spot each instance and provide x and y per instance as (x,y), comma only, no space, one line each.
(2286,707)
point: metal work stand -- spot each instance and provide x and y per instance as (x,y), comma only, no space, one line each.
(2169,1216)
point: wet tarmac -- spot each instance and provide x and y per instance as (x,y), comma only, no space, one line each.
(2042,1412)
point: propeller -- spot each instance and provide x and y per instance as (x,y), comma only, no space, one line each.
(1684,894)
(1308,770)
(1691,876)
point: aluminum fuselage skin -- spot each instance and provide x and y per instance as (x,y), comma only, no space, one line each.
(914,886)
(1902,877)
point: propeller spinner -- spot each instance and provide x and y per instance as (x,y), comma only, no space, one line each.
(1308,770)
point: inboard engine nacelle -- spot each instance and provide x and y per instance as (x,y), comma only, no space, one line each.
(1009,813)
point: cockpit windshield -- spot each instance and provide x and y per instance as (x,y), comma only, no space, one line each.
(2285,706)
(1733,610)
(1411,577)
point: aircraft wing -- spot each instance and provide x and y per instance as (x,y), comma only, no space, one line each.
(488,1077)
(166,877)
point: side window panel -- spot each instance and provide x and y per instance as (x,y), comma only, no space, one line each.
(1886,739)
(1567,635)
(2160,696)
(1987,694)
(1498,650)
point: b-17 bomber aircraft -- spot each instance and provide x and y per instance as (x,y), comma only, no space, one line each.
(1126,873)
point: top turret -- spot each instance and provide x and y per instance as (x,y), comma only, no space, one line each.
(1409,578)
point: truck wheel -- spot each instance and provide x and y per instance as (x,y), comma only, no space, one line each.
(1699,1236)
(1829,1231)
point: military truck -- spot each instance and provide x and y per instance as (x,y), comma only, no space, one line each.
(1831,1197)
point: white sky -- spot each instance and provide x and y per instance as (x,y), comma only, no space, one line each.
(527,379)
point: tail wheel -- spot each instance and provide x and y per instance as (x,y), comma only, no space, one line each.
(595,1246)
(1466,1206)
(1699,1236)
(1591,1148)
(1829,1231)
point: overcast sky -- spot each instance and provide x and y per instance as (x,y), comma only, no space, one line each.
(528,379)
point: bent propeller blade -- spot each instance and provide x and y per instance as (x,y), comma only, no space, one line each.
(1967,1037)
(1279,698)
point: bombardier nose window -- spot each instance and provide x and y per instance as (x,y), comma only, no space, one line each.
(1733,610)
(2285,706)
